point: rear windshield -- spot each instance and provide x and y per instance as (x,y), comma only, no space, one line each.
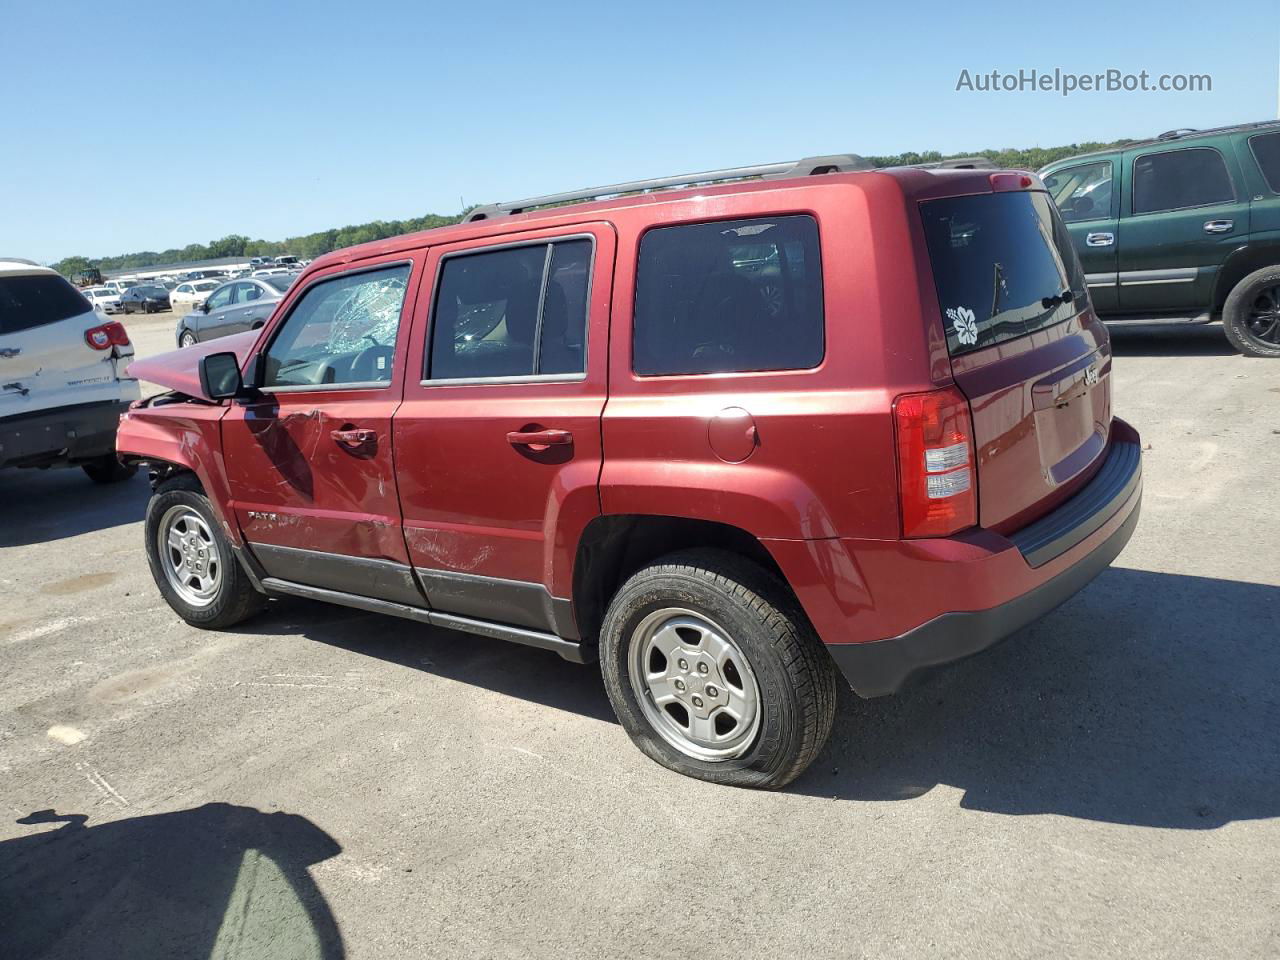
(33,301)
(1003,265)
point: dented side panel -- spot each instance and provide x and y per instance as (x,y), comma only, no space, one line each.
(185,435)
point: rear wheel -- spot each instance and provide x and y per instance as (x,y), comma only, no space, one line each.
(1251,315)
(191,561)
(108,469)
(714,671)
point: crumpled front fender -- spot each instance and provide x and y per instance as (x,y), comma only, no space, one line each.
(185,435)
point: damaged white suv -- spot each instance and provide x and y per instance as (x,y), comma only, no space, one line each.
(62,375)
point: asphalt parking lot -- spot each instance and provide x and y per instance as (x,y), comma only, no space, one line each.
(327,783)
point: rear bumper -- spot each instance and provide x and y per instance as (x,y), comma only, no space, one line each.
(61,435)
(883,667)
(889,609)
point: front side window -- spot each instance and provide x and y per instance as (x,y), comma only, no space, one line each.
(220,298)
(1194,177)
(1266,150)
(731,296)
(340,331)
(515,312)
(1003,266)
(1083,192)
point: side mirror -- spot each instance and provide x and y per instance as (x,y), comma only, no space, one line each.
(220,376)
(204,306)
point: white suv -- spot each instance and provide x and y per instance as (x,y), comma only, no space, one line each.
(62,375)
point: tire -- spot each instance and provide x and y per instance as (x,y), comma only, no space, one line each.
(187,339)
(1251,315)
(108,469)
(180,506)
(738,612)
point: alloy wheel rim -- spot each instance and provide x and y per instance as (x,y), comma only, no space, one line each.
(1263,322)
(694,685)
(190,557)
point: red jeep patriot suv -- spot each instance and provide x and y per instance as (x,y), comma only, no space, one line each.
(733,439)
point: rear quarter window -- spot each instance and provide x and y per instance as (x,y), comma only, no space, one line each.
(1003,266)
(733,296)
(1266,150)
(36,300)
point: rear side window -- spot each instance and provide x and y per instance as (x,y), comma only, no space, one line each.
(729,297)
(1266,150)
(514,312)
(1003,266)
(33,301)
(1184,178)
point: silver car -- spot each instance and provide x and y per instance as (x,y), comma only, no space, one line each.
(234,307)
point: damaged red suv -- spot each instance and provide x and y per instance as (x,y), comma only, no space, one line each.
(735,440)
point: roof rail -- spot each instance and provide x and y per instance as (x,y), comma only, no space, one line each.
(1175,134)
(957,163)
(809,166)
(30,263)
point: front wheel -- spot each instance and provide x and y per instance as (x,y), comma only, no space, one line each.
(188,339)
(1251,315)
(191,561)
(714,671)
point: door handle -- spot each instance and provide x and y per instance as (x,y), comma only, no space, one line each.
(354,437)
(1099,239)
(539,438)
(1219,226)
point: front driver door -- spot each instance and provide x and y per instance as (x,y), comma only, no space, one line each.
(310,466)
(1089,201)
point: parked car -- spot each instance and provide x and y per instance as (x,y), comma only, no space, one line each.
(63,383)
(274,272)
(145,298)
(1182,228)
(287,261)
(586,428)
(233,308)
(192,292)
(104,299)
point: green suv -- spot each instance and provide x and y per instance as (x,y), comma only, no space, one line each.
(1182,228)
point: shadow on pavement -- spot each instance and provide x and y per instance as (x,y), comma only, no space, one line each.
(537,676)
(214,881)
(38,506)
(1149,699)
(1170,340)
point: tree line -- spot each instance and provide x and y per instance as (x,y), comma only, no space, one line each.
(312,245)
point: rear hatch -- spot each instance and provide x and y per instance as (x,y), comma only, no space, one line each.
(46,361)
(1026,349)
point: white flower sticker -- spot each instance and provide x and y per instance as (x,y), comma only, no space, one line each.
(965,325)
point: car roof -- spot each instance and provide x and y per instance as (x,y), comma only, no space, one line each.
(17,267)
(916,183)
(1171,136)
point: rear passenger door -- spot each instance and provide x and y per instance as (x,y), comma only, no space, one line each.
(1185,215)
(497,442)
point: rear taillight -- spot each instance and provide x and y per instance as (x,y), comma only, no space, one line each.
(935,463)
(110,334)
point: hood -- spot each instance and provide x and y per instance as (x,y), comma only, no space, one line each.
(180,369)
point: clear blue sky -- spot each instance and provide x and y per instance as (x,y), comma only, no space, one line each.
(136,125)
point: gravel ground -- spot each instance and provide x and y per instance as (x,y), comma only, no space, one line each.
(326,783)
